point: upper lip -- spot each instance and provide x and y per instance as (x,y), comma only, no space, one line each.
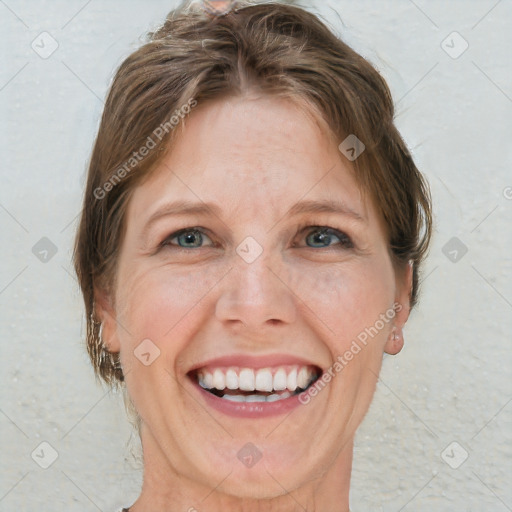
(252,361)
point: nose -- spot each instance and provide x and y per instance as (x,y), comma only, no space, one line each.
(253,297)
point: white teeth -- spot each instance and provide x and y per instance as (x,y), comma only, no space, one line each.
(205,380)
(255,398)
(234,398)
(302,378)
(281,396)
(246,380)
(280,380)
(219,380)
(231,379)
(200,379)
(263,380)
(291,381)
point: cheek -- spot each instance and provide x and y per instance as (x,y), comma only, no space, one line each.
(158,303)
(161,305)
(346,297)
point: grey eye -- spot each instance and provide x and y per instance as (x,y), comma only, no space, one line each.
(321,237)
(186,238)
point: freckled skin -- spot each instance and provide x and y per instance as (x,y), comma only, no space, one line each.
(255,157)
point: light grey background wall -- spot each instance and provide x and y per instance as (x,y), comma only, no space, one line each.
(438,434)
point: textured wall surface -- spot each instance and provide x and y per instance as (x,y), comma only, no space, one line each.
(438,434)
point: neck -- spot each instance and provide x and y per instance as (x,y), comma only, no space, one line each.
(166,490)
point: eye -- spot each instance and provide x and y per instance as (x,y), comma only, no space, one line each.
(318,237)
(186,238)
(321,237)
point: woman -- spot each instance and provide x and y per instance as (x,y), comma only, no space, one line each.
(250,244)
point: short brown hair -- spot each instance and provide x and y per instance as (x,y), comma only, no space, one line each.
(276,49)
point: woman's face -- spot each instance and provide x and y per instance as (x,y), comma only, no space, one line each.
(251,292)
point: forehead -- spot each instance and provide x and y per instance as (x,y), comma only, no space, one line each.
(254,156)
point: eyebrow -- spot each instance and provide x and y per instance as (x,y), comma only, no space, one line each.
(327,206)
(183,207)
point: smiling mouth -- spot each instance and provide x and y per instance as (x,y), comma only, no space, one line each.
(271,384)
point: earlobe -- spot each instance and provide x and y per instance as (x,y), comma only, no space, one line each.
(395,342)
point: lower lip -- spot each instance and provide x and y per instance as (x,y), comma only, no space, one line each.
(249,409)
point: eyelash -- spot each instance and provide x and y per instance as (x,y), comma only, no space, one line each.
(345,241)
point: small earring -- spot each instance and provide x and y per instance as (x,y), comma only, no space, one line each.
(395,341)
(105,354)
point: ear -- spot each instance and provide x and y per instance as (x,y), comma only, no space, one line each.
(105,313)
(395,342)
